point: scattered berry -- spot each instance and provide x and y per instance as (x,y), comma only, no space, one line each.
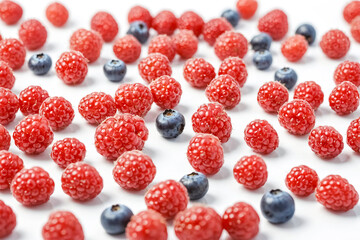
(88,42)
(294,48)
(326,142)
(57,14)
(164,22)
(7,78)
(311,92)
(166,92)
(351,11)
(287,77)
(231,44)
(355,29)
(348,71)
(308,31)
(7,219)
(66,151)
(271,96)
(214,28)
(274,23)
(10,165)
(139,13)
(10,12)
(344,98)
(261,41)
(13,52)
(170,123)
(262,59)
(196,184)
(190,20)
(198,72)
(71,67)
(235,67)
(33,34)
(139,30)
(127,48)
(115,70)
(31,98)
(185,43)
(246,8)
(335,44)
(114,219)
(154,66)
(277,206)
(231,16)
(352,134)
(302,180)
(105,24)
(251,171)
(5,138)
(40,63)
(9,105)
(162,44)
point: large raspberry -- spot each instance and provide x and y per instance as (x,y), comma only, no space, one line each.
(9,105)
(33,34)
(139,13)
(302,180)
(127,48)
(214,28)
(162,44)
(231,44)
(198,72)
(57,14)
(166,92)
(13,52)
(185,43)
(5,138)
(7,78)
(274,23)
(335,44)
(326,142)
(351,11)
(10,12)
(246,8)
(71,67)
(294,48)
(348,71)
(271,96)
(311,92)
(89,43)
(153,66)
(352,134)
(67,151)
(344,98)
(10,165)
(31,98)
(164,22)
(189,20)
(235,67)
(105,24)
(7,219)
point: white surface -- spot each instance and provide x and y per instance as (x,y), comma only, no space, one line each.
(311,220)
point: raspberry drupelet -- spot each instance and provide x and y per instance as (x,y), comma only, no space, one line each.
(348,71)
(88,42)
(190,20)
(105,24)
(166,92)
(5,138)
(9,106)
(67,151)
(326,142)
(185,43)
(7,219)
(231,44)
(7,78)
(127,48)
(294,48)
(13,52)
(302,180)
(71,67)
(352,135)
(198,72)
(235,67)
(311,92)
(351,11)
(57,14)
(214,28)
(274,23)
(154,66)
(31,98)
(139,13)
(164,22)
(246,8)
(33,34)
(162,44)
(271,96)
(335,44)
(10,12)
(10,165)
(251,171)
(344,98)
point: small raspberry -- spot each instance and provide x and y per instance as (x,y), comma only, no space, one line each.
(166,92)
(231,44)
(33,34)
(271,96)
(326,142)
(154,66)
(66,151)
(10,12)
(251,171)
(88,42)
(7,78)
(10,165)
(274,23)
(105,24)
(344,98)
(352,134)
(13,52)
(198,72)
(294,48)
(351,11)
(235,67)
(246,8)
(127,48)
(57,14)
(355,29)
(5,138)
(185,43)
(302,180)
(335,44)
(162,44)
(7,220)
(9,105)
(164,22)
(139,13)
(348,71)
(31,98)
(71,67)
(214,28)
(311,92)
(190,20)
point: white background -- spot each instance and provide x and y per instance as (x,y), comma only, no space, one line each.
(311,220)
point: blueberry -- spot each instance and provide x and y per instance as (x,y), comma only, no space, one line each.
(308,31)
(115,218)
(231,16)
(261,41)
(40,63)
(170,123)
(115,70)
(196,184)
(262,59)
(139,30)
(287,77)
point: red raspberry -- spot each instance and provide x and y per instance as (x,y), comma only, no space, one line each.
(185,43)
(235,67)
(7,220)
(9,105)
(246,8)
(224,90)
(166,92)
(105,24)
(121,133)
(311,92)
(10,12)
(190,20)
(164,22)
(198,222)
(326,142)
(348,71)
(344,98)
(271,96)
(351,11)
(335,44)
(58,111)
(214,28)
(352,134)
(198,72)
(154,66)
(355,29)
(127,48)
(32,186)
(241,221)
(81,181)
(57,14)
(302,180)
(294,48)
(31,98)
(297,117)
(205,153)
(7,78)
(138,13)
(96,107)
(66,151)
(274,23)
(162,44)
(71,67)
(5,138)
(33,34)
(10,165)
(336,193)
(251,171)
(13,52)
(231,44)
(134,170)
(89,43)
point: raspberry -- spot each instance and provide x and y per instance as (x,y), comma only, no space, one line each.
(71,67)
(251,171)
(185,43)
(9,105)
(5,138)
(57,14)
(231,44)
(32,186)
(311,92)
(336,193)
(31,98)
(58,111)
(326,142)
(297,117)
(236,68)
(355,29)
(214,28)
(351,11)
(89,43)
(96,107)
(274,23)
(344,98)
(271,96)
(10,165)
(294,48)
(198,222)
(246,8)
(33,34)
(335,44)
(348,71)
(138,13)
(190,20)
(212,118)
(105,24)
(7,220)
(13,52)
(352,134)
(166,92)
(302,180)
(198,72)
(154,66)
(241,221)
(10,12)
(121,133)
(66,151)
(7,78)
(164,22)
(224,90)
(134,170)
(127,48)
(81,181)
(162,44)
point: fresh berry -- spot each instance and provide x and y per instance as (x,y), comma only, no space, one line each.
(127,48)
(271,96)
(294,48)
(164,22)
(311,92)
(185,43)
(262,59)
(66,151)
(31,98)
(190,20)
(9,105)
(5,138)
(287,77)
(351,11)
(198,72)
(235,67)
(7,220)
(40,63)
(261,41)
(246,8)
(10,12)
(162,44)
(57,14)
(231,16)
(10,165)
(139,30)
(348,71)
(326,142)
(214,28)
(170,123)
(274,23)
(231,44)
(114,219)
(166,92)
(308,31)
(115,70)
(105,24)
(139,13)
(33,34)
(88,42)
(251,171)
(355,29)
(344,98)
(7,78)
(277,206)
(335,44)
(71,67)
(154,66)
(13,52)
(196,184)
(352,134)
(134,170)
(302,180)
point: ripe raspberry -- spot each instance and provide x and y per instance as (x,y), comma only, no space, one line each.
(81,181)
(297,117)
(105,24)
(198,222)
(311,92)
(89,43)
(96,107)
(355,29)
(57,14)
(71,67)
(198,72)
(10,165)
(190,20)
(344,98)
(13,52)
(32,186)
(166,92)
(348,71)
(335,44)
(121,133)
(10,12)
(33,34)
(66,151)
(352,134)
(241,221)
(336,193)
(185,43)
(7,78)
(154,66)
(127,48)
(294,48)
(58,111)
(9,105)
(231,44)
(164,22)
(5,138)
(7,220)
(302,180)
(134,170)
(326,142)
(162,44)
(271,96)
(31,98)
(138,13)
(251,171)
(274,23)
(351,11)
(214,28)
(235,67)
(246,8)
(224,90)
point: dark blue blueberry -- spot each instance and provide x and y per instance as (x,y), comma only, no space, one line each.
(277,206)
(115,218)
(115,70)
(287,77)
(40,63)
(170,123)
(139,30)
(196,184)
(308,31)
(261,41)
(231,16)
(262,59)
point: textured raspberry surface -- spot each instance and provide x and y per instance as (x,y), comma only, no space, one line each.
(231,44)
(271,96)
(166,92)
(190,20)
(311,92)
(185,43)
(89,43)
(127,48)
(348,71)
(5,138)
(335,44)
(302,180)
(66,151)
(33,34)
(214,28)
(352,134)
(7,220)
(246,8)
(235,67)
(31,98)
(274,23)
(105,24)
(10,12)
(13,52)
(326,142)
(162,44)
(251,171)
(154,66)
(351,11)
(7,78)
(164,22)
(9,105)
(71,67)
(198,72)
(57,14)
(10,164)
(139,13)
(344,98)
(294,48)
(355,29)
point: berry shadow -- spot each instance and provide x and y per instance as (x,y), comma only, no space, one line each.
(239,108)
(15,235)
(260,191)
(151,116)
(322,111)
(182,108)
(150,152)
(342,158)
(44,156)
(260,236)
(208,199)
(310,198)
(71,129)
(49,205)
(99,62)
(48,47)
(231,145)
(247,89)
(353,213)
(100,199)
(279,152)
(294,222)
(307,59)
(183,138)
(224,173)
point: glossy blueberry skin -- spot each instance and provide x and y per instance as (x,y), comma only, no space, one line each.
(196,184)
(232,16)
(170,123)
(308,31)
(40,63)
(115,219)
(262,59)
(115,70)
(261,41)
(287,77)
(139,30)
(277,206)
